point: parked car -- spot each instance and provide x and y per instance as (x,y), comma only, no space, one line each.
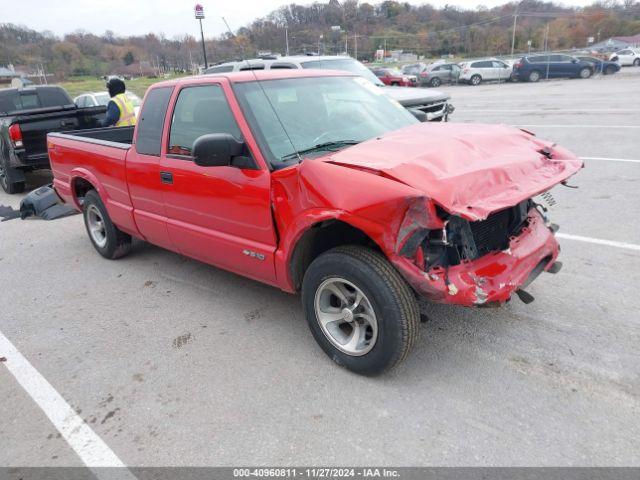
(601,66)
(432,105)
(316,182)
(413,69)
(490,69)
(26,115)
(93,99)
(436,74)
(627,57)
(534,67)
(394,77)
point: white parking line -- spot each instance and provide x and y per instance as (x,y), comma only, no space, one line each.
(577,126)
(605,159)
(599,241)
(85,442)
(461,108)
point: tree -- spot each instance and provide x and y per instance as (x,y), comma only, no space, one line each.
(128,58)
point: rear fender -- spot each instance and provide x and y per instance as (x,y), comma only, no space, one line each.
(85,174)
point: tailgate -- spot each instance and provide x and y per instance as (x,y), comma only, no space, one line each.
(35,127)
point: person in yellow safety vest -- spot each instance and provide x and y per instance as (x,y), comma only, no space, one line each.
(120,110)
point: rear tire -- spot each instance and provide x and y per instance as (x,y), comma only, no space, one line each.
(435,82)
(636,62)
(106,238)
(7,182)
(534,76)
(475,80)
(370,335)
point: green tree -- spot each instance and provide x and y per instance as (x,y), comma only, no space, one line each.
(128,58)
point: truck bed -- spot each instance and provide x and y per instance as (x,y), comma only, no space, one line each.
(97,152)
(120,137)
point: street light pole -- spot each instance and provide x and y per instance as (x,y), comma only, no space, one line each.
(199,16)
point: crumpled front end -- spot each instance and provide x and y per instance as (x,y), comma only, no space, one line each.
(477,263)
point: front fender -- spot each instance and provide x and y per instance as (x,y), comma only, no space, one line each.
(315,191)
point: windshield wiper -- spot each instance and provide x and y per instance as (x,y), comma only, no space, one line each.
(329,146)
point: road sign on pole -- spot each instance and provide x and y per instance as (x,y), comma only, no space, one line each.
(199,11)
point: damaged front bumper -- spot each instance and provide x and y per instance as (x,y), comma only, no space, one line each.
(492,278)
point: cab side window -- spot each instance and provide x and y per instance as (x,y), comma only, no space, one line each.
(151,121)
(199,111)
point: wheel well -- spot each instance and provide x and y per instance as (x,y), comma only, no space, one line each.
(318,239)
(80,188)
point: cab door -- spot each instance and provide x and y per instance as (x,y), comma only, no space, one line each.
(143,169)
(220,215)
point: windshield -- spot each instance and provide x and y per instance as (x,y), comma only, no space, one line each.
(347,64)
(317,114)
(102,98)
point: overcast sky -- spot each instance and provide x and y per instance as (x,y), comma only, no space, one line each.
(171,17)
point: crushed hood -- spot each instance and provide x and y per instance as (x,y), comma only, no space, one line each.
(415,96)
(469,169)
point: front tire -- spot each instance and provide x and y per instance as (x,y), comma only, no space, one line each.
(585,73)
(360,310)
(106,238)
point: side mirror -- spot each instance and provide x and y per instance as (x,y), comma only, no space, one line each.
(216,150)
(419,114)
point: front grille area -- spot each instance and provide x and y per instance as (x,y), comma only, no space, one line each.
(493,233)
(471,240)
(431,107)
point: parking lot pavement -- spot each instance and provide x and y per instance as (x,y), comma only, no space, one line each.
(173,362)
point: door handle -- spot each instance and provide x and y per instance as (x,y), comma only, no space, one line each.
(166,177)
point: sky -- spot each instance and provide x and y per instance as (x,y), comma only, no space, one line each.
(171,17)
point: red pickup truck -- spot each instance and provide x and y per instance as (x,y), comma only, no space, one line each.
(316,182)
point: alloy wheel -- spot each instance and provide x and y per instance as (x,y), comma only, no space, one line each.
(96,226)
(346,316)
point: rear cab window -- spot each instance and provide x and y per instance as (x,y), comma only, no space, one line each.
(53,97)
(151,122)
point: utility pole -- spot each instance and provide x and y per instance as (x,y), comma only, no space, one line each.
(199,16)
(355,44)
(346,42)
(513,37)
(286,37)
(515,21)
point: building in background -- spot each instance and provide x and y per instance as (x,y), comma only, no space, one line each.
(614,44)
(6,75)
